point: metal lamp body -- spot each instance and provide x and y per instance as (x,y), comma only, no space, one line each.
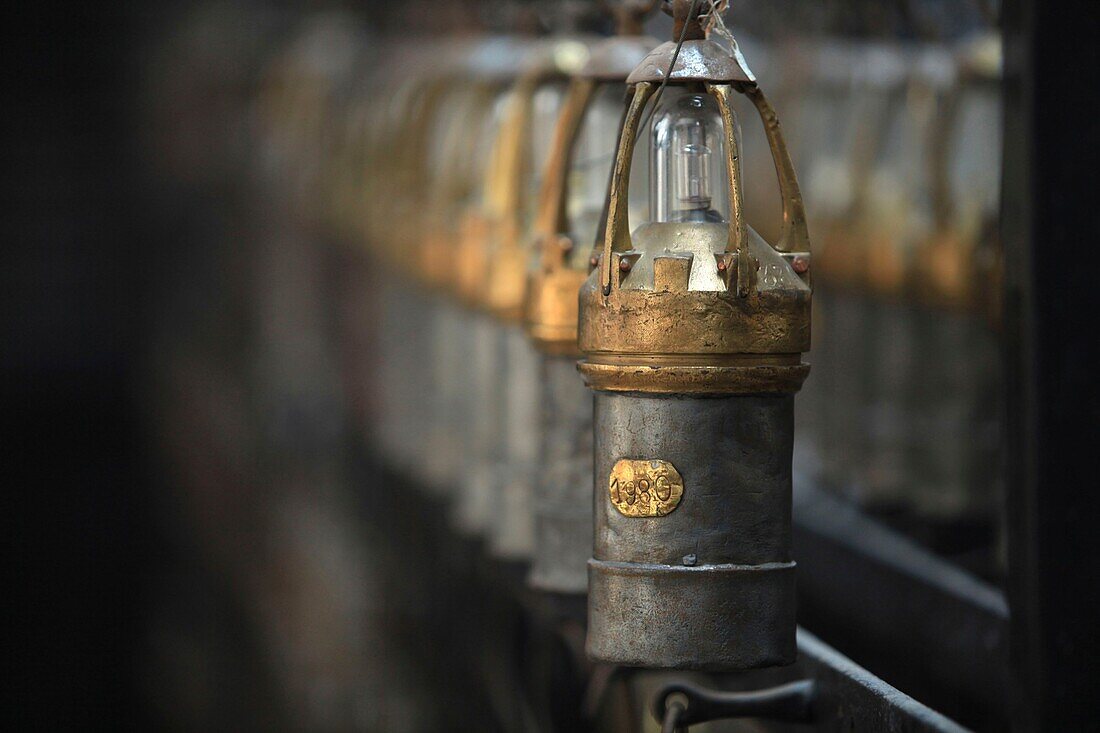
(514,523)
(473,511)
(706,582)
(563,510)
(711,584)
(455,259)
(692,335)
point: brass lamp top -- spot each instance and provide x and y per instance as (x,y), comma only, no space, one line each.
(699,308)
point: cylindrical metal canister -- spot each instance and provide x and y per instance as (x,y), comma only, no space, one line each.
(459,262)
(485,411)
(514,516)
(712,580)
(563,520)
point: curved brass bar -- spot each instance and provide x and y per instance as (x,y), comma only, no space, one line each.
(617,232)
(793,235)
(552,218)
(601,230)
(518,166)
(492,183)
(454,177)
(507,190)
(722,93)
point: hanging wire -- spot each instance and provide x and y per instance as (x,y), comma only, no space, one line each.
(716,25)
(668,74)
(652,105)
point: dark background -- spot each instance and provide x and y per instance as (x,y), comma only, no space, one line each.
(78,253)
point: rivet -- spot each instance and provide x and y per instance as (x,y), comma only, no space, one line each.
(800,265)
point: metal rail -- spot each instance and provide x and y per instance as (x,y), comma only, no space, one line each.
(916,620)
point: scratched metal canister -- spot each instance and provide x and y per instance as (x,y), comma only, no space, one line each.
(692,330)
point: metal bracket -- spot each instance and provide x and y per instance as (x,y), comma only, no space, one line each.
(679,704)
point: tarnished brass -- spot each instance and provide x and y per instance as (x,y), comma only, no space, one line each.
(562,265)
(551,309)
(455,185)
(617,236)
(695,380)
(481,223)
(645,488)
(675,321)
(496,278)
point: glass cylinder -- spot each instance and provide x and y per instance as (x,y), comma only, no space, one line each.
(687,173)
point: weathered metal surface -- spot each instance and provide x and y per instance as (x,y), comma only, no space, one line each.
(484,407)
(513,524)
(699,60)
(563,504)
(692,336)
(659,379)
(713,617)
(552,285)
(710,585)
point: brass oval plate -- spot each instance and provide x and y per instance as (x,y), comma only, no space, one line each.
(649,488)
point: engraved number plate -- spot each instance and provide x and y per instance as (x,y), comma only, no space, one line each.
(645,488)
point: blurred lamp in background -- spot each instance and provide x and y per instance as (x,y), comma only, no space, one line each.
(508,367)
(570,212)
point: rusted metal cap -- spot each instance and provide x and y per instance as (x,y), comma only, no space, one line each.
(701,60)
